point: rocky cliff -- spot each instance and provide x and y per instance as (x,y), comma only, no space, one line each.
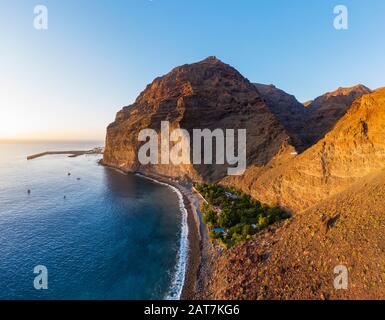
(309,122)
(326,110)
(352,150)
(205,95)
(290,113)
(336,189)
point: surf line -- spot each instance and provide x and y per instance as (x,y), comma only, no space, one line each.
(175,292)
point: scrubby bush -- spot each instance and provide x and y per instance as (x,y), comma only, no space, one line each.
(228,218)
(210,218)
(215,235)
(235,212)
(247,230)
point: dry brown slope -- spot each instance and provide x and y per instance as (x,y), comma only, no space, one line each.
(352,150)
(297,259)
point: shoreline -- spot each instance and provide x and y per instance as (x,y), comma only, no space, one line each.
(198,251)
(192,288)
(179,280)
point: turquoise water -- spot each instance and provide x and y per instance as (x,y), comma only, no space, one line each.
(112,237)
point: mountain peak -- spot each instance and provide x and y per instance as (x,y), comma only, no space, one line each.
(326,110)
(342,95)
(345,91)
(200,69)
(211,59)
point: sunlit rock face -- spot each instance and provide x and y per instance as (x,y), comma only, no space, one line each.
(354,149)
(205,95)
(326,110)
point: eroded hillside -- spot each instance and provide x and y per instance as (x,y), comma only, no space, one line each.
(352,150)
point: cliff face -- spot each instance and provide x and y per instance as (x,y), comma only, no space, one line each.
(325,111)
(204,95)
(352,150)
(289,112)
(337,189)
(309,122)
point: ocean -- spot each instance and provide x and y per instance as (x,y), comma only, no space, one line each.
(100,234)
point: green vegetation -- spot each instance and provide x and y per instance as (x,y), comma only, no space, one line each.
(233,216)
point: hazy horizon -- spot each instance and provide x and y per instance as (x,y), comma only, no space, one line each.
(51,141)
(68,82)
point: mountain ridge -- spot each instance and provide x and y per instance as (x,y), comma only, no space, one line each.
(326,110)
(353,149)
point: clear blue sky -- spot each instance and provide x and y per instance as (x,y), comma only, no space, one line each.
(96,56)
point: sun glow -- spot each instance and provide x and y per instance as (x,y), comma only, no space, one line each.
(16,118)
(10,124)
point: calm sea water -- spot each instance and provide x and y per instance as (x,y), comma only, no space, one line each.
(112,237)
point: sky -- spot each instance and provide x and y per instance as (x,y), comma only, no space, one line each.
(68,82)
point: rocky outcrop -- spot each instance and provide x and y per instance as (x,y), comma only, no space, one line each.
(352,150)
(309,122)
(205,95)
(325,111)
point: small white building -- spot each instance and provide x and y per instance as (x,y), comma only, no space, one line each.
(230,195)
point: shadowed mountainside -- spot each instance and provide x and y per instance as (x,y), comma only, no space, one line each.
(290,113)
